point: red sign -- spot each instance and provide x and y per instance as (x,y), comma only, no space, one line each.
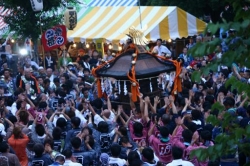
(54,37)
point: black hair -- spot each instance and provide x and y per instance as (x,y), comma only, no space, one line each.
(56,133)
(67,153)
(65,75)
(61,122)
(59,158)
(46,81)
(164,132)
(56,80)
(177,152)
(91,140)
(136,162)
(138,129)
(196,114)
(229,101)
(76,121)
(148,154)
(165,119)
(123,130)
(18,91)
(18,104)
(85,57)
(84,89)
(76,142)
(38,150)
(103,127)
(97,103)
(192,126)
(50,142)
(133,155)
(42,105)
(4,147)
(206,135)
(40,130)
(159,40)
(187,135)
(61,101)
(13,119)
(124,140)
(89,129)
(115,150)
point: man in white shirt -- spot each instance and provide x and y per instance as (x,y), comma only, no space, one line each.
(68,158)
(177,158)
(160,49)
(115,152)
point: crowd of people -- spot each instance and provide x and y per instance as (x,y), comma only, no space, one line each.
(52,115)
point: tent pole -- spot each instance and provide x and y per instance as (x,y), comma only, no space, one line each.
(139,4)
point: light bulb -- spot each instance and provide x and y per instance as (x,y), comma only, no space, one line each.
(12,41)
(110,47)
(87,45)
(23,52)
(119,48)
(169,40)
(74,45)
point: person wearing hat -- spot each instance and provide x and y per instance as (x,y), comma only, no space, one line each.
(160,49)
(104,159)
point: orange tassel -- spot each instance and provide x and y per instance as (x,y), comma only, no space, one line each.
(99,88)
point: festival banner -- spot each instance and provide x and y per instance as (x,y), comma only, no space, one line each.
(54,37)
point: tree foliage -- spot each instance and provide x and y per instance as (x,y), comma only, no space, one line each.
(24,21)
(232,136)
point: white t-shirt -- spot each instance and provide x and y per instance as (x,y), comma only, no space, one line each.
(14,109)
(70,163)
(180,162)
(118,161)
(162,49)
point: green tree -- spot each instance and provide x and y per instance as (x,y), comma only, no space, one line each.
(230,140)
(27,23)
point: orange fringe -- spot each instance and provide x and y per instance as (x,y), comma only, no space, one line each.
(132,77)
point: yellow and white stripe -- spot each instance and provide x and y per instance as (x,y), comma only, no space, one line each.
(113,23)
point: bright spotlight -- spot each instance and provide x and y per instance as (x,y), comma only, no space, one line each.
(23,51)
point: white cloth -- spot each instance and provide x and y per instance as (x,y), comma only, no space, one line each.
(180,162)
(118,161)
(112,116)
(97,119)
(162,49)
(219,55)
(14,109)
(70,163)
(79,115)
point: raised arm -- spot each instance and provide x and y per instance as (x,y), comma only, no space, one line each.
(109,104)
(147,101)
(156,102)
(171,99)
(132,104)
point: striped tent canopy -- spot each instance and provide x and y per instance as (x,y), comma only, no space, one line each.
(113,23)
(3,25)
(95,3)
